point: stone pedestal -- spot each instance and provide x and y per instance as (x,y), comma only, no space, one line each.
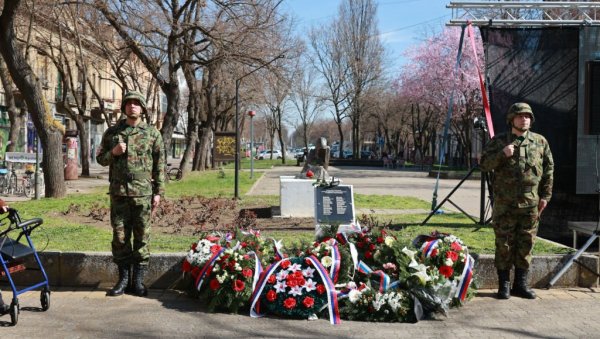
(296,197)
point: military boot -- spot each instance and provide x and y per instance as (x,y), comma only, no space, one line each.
(520,288)
(121,285)
(4,308)
(139,271)
(503,284)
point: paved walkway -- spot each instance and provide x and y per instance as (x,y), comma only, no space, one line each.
(87,313)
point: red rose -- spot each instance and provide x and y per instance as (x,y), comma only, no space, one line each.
(434,252)
(300,281)
(321,288)
(214,284)
(285,264)
(289,303)
(452,255)
(246,257)
(308,302)
(368,255)
(244,244)
(298,275)
(194,245)
(380,240)
(215,248)
(372,247)
(272,279)
(271,296)
(186,266)
(246,272)
(446,271)
(291,281)
(238,285)
(309,174)
(361,244)
(456,246)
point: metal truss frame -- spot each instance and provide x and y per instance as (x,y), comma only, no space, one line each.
(525,13)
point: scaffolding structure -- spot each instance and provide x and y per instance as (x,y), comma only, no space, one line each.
(525,13)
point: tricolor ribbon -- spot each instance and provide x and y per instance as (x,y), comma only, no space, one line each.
(334,271)
(260,285)
(385,282)
(334,314)
(277,245)
(465,278)
(207,267)
(428,247)
(257,269)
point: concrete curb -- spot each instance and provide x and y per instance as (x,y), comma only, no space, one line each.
(96,269)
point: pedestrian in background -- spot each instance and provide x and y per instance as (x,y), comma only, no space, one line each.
(522,186)
(134,152)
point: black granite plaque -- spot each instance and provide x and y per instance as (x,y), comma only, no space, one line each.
(334,205)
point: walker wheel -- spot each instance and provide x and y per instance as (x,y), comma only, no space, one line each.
(45,300)
(14,313)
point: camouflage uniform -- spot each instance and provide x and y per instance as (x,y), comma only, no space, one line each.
(519,183)
(134,177)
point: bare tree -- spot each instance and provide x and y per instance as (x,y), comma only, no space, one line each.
(16,115)
(305,99)
(49,131)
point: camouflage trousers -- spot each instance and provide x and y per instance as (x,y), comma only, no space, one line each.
(515,230)
(130,216)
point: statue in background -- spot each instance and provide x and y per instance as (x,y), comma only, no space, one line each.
(317,162)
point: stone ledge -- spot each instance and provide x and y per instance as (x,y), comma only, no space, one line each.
(96,269)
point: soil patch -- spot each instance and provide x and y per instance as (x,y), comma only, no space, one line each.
(192,215)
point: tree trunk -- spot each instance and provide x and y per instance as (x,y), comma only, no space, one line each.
(15,115)
(83,144)
(48,130)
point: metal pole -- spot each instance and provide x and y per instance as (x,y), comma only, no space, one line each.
(237,139)
(37,167)
(251,146)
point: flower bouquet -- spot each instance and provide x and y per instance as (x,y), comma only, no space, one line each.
(367,304)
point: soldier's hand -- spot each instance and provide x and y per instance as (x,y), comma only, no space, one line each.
(509,150)
(155,201)
(541,206)
(119,149)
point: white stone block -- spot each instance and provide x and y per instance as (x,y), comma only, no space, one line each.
(297,197)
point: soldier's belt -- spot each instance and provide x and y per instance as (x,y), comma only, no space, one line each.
(527,189)
(129,177)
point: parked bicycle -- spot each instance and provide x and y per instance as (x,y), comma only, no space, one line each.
(174,173)
(28,185)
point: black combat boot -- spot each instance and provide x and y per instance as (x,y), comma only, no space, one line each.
(503,284)
(4,308)
(139,271)
(121,285)
(520,288)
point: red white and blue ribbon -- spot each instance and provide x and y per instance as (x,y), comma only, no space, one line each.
(334,271)
(385,282)
(260,285)
(207,267)
(465,278)
(257,268)
(428,247)
(334,314)
(277,245)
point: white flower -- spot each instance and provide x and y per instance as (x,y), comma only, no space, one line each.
(351,285)
(450,239)
(221,278)
(216,268)
(280,287)
(296,290)
(422,274)
(378,301)
(411,254)
(326,261)
(448,262)
(354,296)
(389,241)
(310,285)
(238,267)
(281,275)
(294,267)
(308,272)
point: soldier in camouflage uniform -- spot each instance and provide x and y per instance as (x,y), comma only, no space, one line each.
(135,153)
(523,176)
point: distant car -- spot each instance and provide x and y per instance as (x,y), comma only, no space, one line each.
(367,155)
(267,155)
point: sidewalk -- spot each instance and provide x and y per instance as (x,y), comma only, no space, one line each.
(87,313)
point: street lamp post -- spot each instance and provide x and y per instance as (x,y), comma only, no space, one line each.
(237,124)
(251,114)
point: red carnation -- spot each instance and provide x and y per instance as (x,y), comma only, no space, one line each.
(272,279)
(380,240)
(246,272)
(238,285)
(289,303)
(215,248)
(372,247)
(291,281)
(309,174)
(434,252)
(186,266)
(285,264)
(456,246)
(320,288)
(308,302)
(446,271)
(452,255)
(368,255)
(244,244)
(271,296)
(214,284)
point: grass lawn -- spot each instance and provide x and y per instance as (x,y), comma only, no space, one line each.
(59,233)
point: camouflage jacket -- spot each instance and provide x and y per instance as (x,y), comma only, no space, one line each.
(140,171)
(526,177)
